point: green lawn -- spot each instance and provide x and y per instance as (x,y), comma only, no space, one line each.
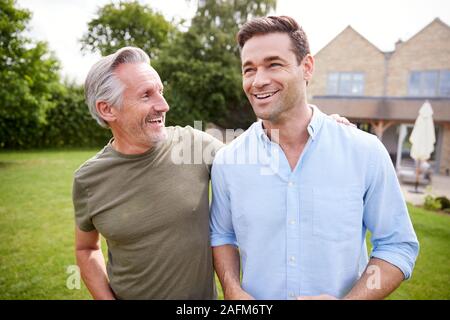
(36,232)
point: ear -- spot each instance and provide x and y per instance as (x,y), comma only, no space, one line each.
(308,67)
(105,111)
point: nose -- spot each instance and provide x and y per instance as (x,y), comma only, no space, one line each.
(161,105)
(261,79)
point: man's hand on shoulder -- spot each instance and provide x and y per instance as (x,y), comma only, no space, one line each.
(342,120)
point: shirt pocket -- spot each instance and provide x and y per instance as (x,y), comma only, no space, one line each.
(337,213)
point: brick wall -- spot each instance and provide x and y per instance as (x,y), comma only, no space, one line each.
(349,52)
(427,50)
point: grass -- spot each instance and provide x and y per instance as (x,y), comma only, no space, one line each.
(431,276)
(36,223)
(36,232)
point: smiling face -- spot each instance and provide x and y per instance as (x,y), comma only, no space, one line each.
(140,121)
(273,80)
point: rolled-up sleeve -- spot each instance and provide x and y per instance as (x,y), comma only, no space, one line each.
(386,215)
(221,225)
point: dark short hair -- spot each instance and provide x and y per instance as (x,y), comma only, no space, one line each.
(274,24)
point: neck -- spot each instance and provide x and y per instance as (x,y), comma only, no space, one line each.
(124,146)
(292,131)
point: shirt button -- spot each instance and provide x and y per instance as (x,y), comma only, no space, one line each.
(290,184)
(292,222)
(291,295)
(292,259)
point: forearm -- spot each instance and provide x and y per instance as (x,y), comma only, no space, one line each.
(93,272)
(227,266)
(378,280)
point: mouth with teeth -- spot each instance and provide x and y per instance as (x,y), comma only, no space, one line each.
(155,121)
(265,95)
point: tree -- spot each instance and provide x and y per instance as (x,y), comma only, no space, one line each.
(28,77)
(69,123)
(126,24)
(201,67)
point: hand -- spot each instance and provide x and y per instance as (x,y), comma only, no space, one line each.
(342,120)
(238,295)
(319,297)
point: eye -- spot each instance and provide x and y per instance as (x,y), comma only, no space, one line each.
(146,95)
(275,64)
(247,70)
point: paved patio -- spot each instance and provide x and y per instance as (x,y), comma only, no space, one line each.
(440,186)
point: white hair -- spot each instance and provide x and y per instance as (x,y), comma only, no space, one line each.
(102,84)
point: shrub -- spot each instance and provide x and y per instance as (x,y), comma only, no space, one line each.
(432,203)
(444,201)
(69,123)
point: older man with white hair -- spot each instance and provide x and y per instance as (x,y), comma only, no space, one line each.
(152,211)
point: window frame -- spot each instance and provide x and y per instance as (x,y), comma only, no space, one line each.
(421,90)
(335,86)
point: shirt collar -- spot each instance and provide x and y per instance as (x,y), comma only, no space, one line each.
(316,122)
(313,127)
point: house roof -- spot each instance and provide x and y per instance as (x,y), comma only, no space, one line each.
(348,29)
(424,29)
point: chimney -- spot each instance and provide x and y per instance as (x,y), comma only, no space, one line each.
(398,44)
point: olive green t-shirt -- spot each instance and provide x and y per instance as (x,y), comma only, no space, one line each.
(153,211)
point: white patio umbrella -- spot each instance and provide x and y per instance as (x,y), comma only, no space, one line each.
(422,137)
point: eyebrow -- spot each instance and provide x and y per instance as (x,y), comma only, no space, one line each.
(152,88)
(266,59)
(272,58)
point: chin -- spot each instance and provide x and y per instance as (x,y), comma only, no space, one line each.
(263,115)
(158,137)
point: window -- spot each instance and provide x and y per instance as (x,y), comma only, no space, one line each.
(414,84)
(429,82)
(433,83)
(333,83)
(345,83)
(444,83)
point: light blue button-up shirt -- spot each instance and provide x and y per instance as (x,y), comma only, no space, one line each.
(302,231)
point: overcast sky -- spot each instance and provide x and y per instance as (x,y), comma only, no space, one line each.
(63,22)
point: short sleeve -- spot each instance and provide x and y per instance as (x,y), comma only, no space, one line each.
(81,207)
